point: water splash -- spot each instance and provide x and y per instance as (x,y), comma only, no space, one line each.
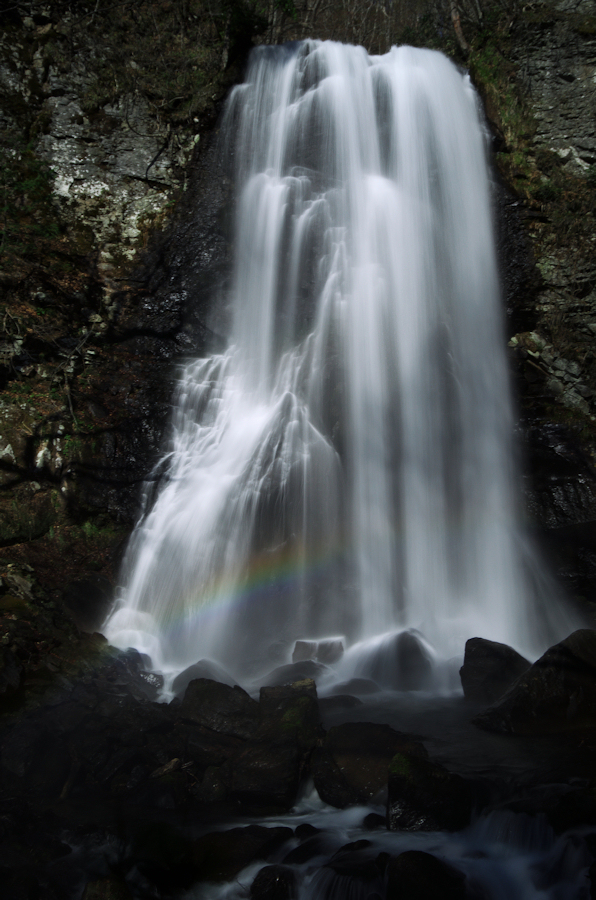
(345,467)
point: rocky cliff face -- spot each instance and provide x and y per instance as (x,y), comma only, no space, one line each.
(552,51)
(112,219)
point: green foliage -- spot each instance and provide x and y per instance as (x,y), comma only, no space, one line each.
(548,192)
(400,765)
(174,52)
(591,178)
(25,199)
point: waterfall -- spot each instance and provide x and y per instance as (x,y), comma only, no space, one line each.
(345,467)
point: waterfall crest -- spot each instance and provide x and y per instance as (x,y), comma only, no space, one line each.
(345,467)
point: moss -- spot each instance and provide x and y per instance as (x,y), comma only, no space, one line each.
(401,766)
(585,25)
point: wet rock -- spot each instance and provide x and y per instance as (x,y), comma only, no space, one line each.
(291,713)
(111,888)
(557,693)
(263,776)
(489,669)
(374,822)
(316,845)
(400,662)
(225,709)
(88,600)
(296,671)
(274,883)
(219,856)
(340,701)
(424,796)
(204,668)
(327,652)
(354,870)
(416,875)
(352,764)
(205,746)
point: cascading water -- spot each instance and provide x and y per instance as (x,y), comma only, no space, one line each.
(345,467)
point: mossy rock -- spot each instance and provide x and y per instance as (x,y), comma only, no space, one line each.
(424,796)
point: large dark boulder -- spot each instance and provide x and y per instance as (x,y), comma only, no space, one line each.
(424,796)
(220,855)
(355,870)
(295,671)
(274,883)
(263,777)
(557,693)
(291,713)
(229,710)
(400,662)
(489,669)
(352,764)
(204,668)
(416,875)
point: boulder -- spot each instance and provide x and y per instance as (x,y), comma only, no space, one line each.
(221,708)
(352,764)
(557,693)
(327,652)
(399,661)
(204,668)
(416,875)
(355,870)
(424,796)
(296,671)
(274,883)
(220,855)
(489,669)
(263,776)
(291,713)
(338,701)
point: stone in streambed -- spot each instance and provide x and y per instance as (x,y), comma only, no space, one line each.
(204,668)
(557,693)
(351,766)
(296,671)
(274,883)
(424,796)
(416,875)
(489,669)
(219,856)
(338,701)
(290,712)
(263,777)
(225,709)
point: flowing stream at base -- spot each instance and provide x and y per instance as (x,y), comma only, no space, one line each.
(345,468)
